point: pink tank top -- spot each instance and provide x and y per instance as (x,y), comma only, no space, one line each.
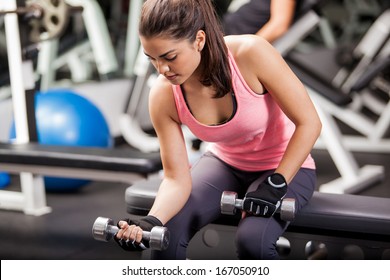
(255,138)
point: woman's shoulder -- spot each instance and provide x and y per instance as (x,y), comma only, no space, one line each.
(161,97)
(251,51)
(161,88)
(252,54)
(242,46)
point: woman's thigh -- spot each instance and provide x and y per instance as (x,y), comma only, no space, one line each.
(256,236)
(210,177)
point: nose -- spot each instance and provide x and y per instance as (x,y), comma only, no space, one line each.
(162,67)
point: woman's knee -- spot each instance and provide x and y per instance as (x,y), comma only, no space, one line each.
(181,233)
(254,239)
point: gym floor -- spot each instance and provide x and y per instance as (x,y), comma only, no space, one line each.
(65,233)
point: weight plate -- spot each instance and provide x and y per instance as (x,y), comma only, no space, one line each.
(287,209)
(52,22)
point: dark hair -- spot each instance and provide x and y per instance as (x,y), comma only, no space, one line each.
(182,19)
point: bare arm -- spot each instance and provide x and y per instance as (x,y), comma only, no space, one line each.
(282,15)
(292,97)
(176,185)
(269,70)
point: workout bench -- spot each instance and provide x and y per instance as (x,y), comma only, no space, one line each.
(104,164)
(336,223)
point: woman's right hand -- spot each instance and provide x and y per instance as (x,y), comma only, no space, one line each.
(129,235)
(129,232)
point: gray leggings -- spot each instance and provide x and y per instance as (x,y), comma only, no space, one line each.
(256,236)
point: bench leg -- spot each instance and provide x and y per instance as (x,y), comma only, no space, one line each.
(31,200)
(352,177)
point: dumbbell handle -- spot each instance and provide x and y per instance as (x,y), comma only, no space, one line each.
(230,202)
(239,203)
(104,229)
(111,231)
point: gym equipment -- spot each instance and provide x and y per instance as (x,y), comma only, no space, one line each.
(230,203)
(358,10)
(128,123)
(21,82)
(98,35)
(137,66)
(132,39)
(365,111)
(52,20)
(65,118)
(335,220)
(4,180)
(33,160)
(306,20)
(114,165)
(48,19)
(78,58)
(332,101)
(104,229)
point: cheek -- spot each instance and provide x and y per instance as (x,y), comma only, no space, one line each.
(190,64)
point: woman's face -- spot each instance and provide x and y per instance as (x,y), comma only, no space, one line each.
(177,60)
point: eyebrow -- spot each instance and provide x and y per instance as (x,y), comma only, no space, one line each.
(163,55)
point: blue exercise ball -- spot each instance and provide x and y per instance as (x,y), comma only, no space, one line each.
(66,118)
(5,180)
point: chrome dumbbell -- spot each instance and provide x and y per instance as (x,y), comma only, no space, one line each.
(104,229)
(230,203)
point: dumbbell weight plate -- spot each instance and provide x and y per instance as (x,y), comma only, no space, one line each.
(159,238)
(228,200)
(102,229)
(53,22)
(287,209)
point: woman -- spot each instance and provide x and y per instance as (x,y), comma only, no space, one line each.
(238,94)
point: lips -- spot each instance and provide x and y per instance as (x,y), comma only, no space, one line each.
(170,77)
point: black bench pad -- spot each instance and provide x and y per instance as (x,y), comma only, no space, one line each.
(318,84)
(108,159)
(325,211)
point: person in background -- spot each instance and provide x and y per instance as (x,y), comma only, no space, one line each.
(269,19)
(255,113)
(221,7)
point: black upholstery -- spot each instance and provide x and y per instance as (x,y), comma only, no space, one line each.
(324,88)
(346,212)
(379,65)
(343,213)
(304,6)
(109,159)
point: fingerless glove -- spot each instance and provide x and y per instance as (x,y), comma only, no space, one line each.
(146,224)
(266,199)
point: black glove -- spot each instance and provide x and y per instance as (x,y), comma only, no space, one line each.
(267,198)
(146,224)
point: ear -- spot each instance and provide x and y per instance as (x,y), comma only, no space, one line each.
(200,40)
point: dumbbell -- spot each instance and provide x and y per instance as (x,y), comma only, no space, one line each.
(104,229)
(230,203)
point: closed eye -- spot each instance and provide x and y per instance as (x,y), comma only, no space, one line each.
(170,58)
